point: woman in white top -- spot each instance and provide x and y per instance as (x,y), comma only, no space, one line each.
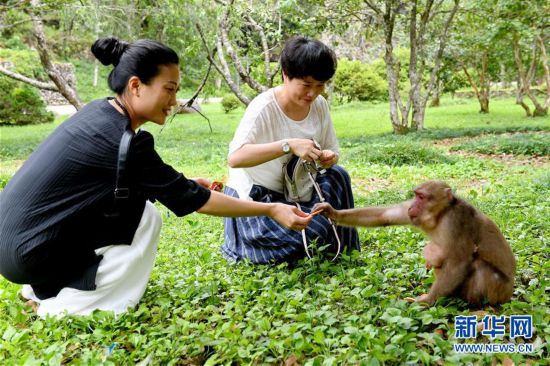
(278,124)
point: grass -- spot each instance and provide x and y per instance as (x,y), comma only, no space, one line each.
(198,308)
(535,144)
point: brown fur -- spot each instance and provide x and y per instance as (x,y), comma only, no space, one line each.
(470,256)
(478,263)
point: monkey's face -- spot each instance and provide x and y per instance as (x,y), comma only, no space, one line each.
(418,207)
(431,198)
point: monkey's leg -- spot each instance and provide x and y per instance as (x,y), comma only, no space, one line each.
(449,277)
(486,283)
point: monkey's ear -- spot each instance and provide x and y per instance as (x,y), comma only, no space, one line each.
(449,193)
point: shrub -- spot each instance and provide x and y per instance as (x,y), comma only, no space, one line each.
(230,102)
(355,80)
(20,104)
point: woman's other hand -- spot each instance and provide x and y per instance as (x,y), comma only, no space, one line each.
(290,216)
(328,158)
(305,149)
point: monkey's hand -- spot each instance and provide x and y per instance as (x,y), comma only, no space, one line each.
(425,298)
(326,209)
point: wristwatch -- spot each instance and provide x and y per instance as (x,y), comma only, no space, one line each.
(285,146)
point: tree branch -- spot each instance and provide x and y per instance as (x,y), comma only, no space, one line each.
(267,67)
(470,80)
(63,87)
(225,72)
(14,24)
(224,35)
(440,50)
(36,83)
(373,7)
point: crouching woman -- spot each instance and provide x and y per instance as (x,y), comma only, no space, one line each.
(61,232)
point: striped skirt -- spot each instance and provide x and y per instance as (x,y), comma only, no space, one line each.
(261,239)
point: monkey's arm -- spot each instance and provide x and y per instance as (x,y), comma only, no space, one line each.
(451,275)
(368,216)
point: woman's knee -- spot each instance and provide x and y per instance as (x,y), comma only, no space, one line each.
(337,169)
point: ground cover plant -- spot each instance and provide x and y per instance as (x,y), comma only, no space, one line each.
(198,308)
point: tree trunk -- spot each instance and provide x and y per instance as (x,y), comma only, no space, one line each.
(63,87)
(546,72)
(418,118)
(479,94)
(526,77)
(436,102)
(503,83)
(330,92)
(417,101)
(414,79)
(540,111)
(399,125)
(484,103)
(519,98)
(484,84)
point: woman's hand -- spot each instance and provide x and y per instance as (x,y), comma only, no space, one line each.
(305,149)
(328,158)
(203,182)
(327,210)
(290,216)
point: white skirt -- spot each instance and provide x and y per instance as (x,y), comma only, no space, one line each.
(121,278)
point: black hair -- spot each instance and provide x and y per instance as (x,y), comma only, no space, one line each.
(303,56)
(141,58)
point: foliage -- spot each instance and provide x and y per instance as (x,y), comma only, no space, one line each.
(84,73)
(20,104)
(198,308)
(536,144)
(25,62)
(355,80)
(230,102)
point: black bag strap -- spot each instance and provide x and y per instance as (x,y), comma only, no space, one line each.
(121,184)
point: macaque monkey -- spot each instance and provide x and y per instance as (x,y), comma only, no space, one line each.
(470,256)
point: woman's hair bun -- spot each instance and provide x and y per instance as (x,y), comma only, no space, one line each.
(109,50)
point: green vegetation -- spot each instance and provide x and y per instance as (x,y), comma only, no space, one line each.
(355,80)
(199,308)
(20,104)
(230,102)
(537,144)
